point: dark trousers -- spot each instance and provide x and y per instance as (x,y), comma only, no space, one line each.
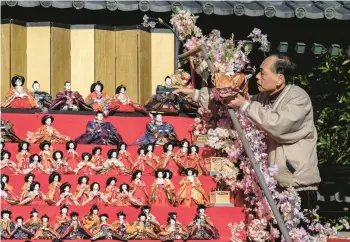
(308,200)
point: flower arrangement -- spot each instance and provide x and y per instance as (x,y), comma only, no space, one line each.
(221,139)
(180,78)
(184,23)
(202,124)
(226,175)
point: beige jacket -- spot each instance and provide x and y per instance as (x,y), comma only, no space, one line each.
(291,135)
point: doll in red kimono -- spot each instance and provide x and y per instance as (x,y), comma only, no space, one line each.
(82,190)
(97,157)
(124,155)
(62,165)
(97,99)
(195,161)
(66,197)
(95,195)
(6,165)
(142,164)
(35,166)
(112,190)
(168,160)
(23,155)
(72,155)
(138,187)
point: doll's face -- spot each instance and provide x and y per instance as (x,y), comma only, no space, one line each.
(36,158)
(48,121)
(167,175)
(142,152)
(172,221)
(30,179)
(6,156)
(122,147)
(71,146)
(74,218)
(201,211)
(56,178)
(170,147)
(45,220)
(146,211)
(103,218)
(114,155)
(66,189)
(95,211)
(24,146)
(121,217)
(64,210)
(99,116)
(46,147)
(37,187)
(149,148)
(112,182)
(98,88)
(19,221)
(185,144)
(143,218)
(97,152)
(35,215)
(4,179)
(96,187)
(124,187)
(193,150)
(58,156)
(168,81)
(68,86)
(18,82)
(159,118)
(1,145)
(6,216)
(189,173)
(36,86)
(160,174)
(138,175)
(84,180)
(86,158)
(122,90)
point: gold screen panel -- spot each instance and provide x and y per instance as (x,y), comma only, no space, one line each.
(60,57)
(105,59)
(5,59)
(38,55)
(145,75)
(18,51)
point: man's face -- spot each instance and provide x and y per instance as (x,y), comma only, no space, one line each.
(159,118)
(36,86)
(268,81)
(67,86)
(99,116)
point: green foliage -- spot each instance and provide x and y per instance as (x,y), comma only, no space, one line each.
(328,85)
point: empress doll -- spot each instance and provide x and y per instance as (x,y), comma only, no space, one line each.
(119,226)
(35,197)
(111,191)
(72,154)
(121,103)
(97,99)
(139,231)
(92,222)
(43,99)
(95,195)
(47,133)
(7,187)
(62,165)
(125,198)
(105,229)
(151,157)
(62,220)
(168,160)
(21,231)
(45,231)
(53,192)
(191,191)
(160,195)
(82,190)
(113,164)
(6,224)
(85,166)
(142,164)
(99,132)
(97,157)
(23,155)
(202,227)
(124,155)
(19,96)
(35,166)
(6,165)
(66,197)
(28,179)
(157,132)
(151,221)
(7,132)
(34,222)
(75,230)
(173,231)
(138,187)
(69,100)
(195,161)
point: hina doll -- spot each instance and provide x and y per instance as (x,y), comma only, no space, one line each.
(97,157)
(23,155)
(62,166)
(195,161)
(66,197)
(111,191)
(151,157)
(168,160)
(85,166)
(138,188)
(75,230)
(35,166)
(173,231)
(53,192)
(202,228)
(151,222)
(191,191)
(2,145)
(97,99)
(28,179)
(82,190)
(142,164)
(168,175)
(3,193)
(105,229)
(21,231)
(119,226)
(160,195)
(113,164)
(182,154)
(125,198)
(139,231)
(6,224)
(34,222)
(92,222)
(62,220)
(7,187)
(7,132)
(100,132)
(95,196)
(72,154)
(121,103)
(69,100)
(35,197)
(6,165)
(45,231)
(124,155)
(19,96)
(43,99)
(46,153)
(47,133)
(157,132)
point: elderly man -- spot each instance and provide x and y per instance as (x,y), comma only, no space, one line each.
(284,112)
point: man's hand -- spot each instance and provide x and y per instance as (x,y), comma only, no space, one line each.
(234,103)
(188,92)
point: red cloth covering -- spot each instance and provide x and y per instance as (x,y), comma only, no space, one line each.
(21,103)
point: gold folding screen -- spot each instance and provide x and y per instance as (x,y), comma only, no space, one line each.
(5,58)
